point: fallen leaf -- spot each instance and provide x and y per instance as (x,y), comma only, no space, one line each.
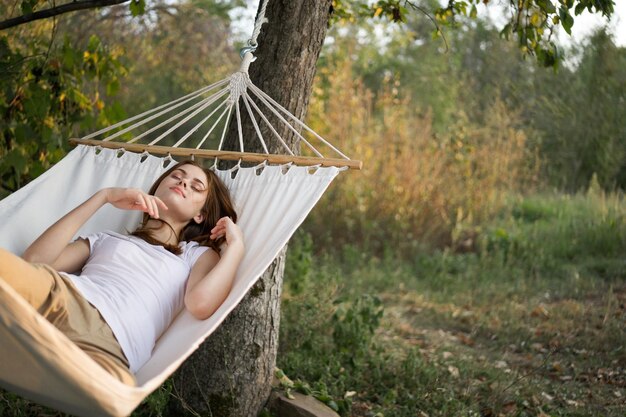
(572,403)
(538,347)
(540,311)
(547,396)
(454,371)
(509,407)
(466,340)
(556,367)
(501,364)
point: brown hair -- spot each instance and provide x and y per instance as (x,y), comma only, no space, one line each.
(217,205)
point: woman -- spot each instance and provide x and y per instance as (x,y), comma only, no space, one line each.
(130,288)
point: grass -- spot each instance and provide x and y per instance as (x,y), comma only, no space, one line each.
(532,322)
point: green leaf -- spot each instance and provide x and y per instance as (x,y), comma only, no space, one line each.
(566,20)
(536,20)
(332,404)
(546,6)
(79,98)
(28,6)
(137,7)
(460,7)
(473,12)
(546,57)
(36,169)
(506,31)
(303,387)
(45,134)
(323,397)
(37,105)
(113,87)
(69,58)
(94,43)
(15,159)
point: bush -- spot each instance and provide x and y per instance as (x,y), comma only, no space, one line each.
(416,187)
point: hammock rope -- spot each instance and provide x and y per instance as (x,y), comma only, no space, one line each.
(257,25)
(183,100)
(171,128)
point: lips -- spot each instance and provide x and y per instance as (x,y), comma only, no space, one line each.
(178,190)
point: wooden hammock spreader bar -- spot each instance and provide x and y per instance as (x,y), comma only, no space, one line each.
(223,155)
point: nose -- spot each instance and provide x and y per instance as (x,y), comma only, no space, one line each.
(183,182)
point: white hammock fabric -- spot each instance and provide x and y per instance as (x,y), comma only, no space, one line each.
(39,362)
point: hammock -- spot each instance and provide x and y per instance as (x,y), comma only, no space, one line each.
(41,363)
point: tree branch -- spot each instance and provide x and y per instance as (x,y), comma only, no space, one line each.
(55,11)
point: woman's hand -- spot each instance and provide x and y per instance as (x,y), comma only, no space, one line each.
(225,227)
(213,275)
(135,199)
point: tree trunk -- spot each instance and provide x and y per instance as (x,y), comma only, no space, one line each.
(231,373)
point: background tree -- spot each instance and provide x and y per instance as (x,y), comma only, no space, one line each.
(580,119)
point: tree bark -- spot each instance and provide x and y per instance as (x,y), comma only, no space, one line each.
(231,373)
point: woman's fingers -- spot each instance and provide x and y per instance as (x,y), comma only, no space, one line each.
(221,224)
(142,202)
(135,199)
(146,203)
(225,227)
(217,231)
(220,228)
(160,203)
(154,211)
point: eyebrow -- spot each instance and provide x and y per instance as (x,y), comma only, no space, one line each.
(193,179)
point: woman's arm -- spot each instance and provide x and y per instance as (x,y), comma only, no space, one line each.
(53,247)
(212,276)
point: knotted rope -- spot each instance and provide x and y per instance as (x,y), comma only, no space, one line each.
(257,25)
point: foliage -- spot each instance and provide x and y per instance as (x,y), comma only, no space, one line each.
(571,119)
(188,47)
(585,229)
(53,88)
(416,187)
(532,323)
(580,120)
(532,22)
(46,91)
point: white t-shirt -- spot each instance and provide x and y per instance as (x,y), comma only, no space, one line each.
(137,287)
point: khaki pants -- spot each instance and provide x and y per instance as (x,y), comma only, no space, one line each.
(57,299)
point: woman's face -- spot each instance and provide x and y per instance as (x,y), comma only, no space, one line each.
(184,192)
